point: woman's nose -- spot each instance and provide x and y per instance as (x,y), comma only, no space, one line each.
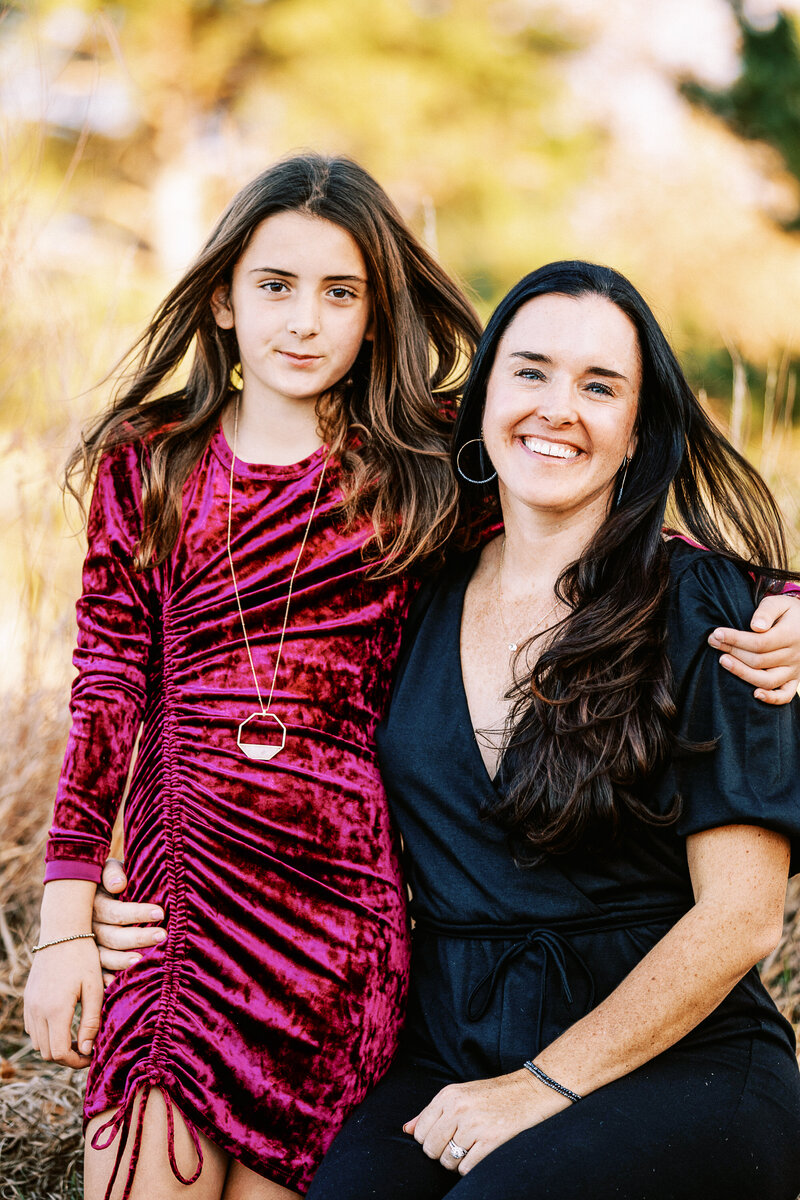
(557,405)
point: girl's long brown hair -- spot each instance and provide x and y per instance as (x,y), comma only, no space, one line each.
(388,424)
(595,715)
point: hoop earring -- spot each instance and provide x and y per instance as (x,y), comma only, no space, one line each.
(626,462)
(460,470)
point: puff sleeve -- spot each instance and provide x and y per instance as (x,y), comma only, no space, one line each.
(752,775)
(116,617)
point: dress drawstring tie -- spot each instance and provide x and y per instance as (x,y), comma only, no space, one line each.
(119,1125)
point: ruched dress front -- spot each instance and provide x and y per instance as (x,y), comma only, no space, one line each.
(275,1001)
(507,958)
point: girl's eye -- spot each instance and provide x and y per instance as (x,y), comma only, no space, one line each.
(529,373)
(342,293)
(275,286)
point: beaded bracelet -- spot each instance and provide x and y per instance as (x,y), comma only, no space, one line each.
(73,937)
(551,1083)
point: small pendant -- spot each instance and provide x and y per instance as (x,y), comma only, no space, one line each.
(265,736)
(512,645)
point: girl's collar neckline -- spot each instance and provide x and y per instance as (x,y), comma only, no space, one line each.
(247,470)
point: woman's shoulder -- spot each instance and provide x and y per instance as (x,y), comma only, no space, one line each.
(706,587)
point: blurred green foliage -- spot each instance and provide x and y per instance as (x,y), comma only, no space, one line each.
(763,104)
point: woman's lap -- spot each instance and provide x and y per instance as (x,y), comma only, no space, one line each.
(691,1125)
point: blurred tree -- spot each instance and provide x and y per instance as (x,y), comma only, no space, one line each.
(763,104)
(431,95)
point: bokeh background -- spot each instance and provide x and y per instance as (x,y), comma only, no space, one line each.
(660,136)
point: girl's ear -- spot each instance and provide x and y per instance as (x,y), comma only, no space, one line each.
(221,306)
(369,332)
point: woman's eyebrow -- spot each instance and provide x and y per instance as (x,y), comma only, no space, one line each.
(532,356)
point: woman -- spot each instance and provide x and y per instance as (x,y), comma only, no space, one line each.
(597,819)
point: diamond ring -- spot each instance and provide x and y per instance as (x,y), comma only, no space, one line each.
(456,1151)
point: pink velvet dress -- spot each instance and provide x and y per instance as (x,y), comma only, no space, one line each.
(275,1001)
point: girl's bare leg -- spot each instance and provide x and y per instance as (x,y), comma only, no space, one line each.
(154,1176)
(243,1184)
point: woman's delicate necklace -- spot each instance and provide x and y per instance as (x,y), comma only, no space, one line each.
(540,625)
(264,721)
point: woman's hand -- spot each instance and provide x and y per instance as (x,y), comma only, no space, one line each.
(768,658)
(121,927)
(479,1116)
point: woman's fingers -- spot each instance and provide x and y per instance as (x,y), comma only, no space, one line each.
(108,911)
(113,961)
(114,878)
(127,937)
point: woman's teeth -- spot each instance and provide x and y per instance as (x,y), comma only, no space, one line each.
(553,449)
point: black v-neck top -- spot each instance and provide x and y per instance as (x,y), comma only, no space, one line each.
(458,863)
(460,870)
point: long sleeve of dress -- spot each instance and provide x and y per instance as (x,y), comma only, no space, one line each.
(115,617)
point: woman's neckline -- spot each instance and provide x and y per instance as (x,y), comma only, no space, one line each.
(248,470)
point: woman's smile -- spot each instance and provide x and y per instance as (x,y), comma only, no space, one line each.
(561,451)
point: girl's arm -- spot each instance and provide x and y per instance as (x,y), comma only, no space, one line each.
(116,615)
(64,975)
(739,877)
(769,657)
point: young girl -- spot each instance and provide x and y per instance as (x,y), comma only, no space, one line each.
(230,610)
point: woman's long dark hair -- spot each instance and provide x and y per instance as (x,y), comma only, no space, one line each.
(389,424)
(594,715)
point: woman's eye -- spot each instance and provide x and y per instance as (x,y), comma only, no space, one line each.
(600,389)
(273,285)
(529,373)
(342,293)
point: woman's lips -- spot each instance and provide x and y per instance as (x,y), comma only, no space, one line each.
(547,449)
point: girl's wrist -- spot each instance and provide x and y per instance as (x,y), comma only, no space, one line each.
(66,909)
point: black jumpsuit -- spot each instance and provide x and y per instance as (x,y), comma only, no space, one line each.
(505,959)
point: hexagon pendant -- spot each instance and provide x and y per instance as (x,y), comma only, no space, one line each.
(265,736)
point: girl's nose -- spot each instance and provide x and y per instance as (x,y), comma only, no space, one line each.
(303,321)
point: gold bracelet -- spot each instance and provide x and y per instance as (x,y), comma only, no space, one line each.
(74,937)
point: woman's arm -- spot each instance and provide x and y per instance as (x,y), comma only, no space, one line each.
(769,657)
(64,975)
(739,875)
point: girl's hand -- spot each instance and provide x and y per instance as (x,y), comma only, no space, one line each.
(479,1116)
(769,658)
(61,977)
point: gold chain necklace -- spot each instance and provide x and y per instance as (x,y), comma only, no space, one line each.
(264,721)
(540,625)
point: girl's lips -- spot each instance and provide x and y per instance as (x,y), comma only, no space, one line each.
(299,360)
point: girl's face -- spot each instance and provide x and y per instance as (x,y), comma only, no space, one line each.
(561,403)
(299,303)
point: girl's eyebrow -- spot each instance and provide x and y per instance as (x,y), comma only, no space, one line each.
(293,275)
(606,372)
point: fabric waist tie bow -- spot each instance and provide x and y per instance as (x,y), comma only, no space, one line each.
(552,945)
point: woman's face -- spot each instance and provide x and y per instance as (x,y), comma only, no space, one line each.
(561,403)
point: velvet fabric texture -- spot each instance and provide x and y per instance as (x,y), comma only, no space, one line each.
(275,1001)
